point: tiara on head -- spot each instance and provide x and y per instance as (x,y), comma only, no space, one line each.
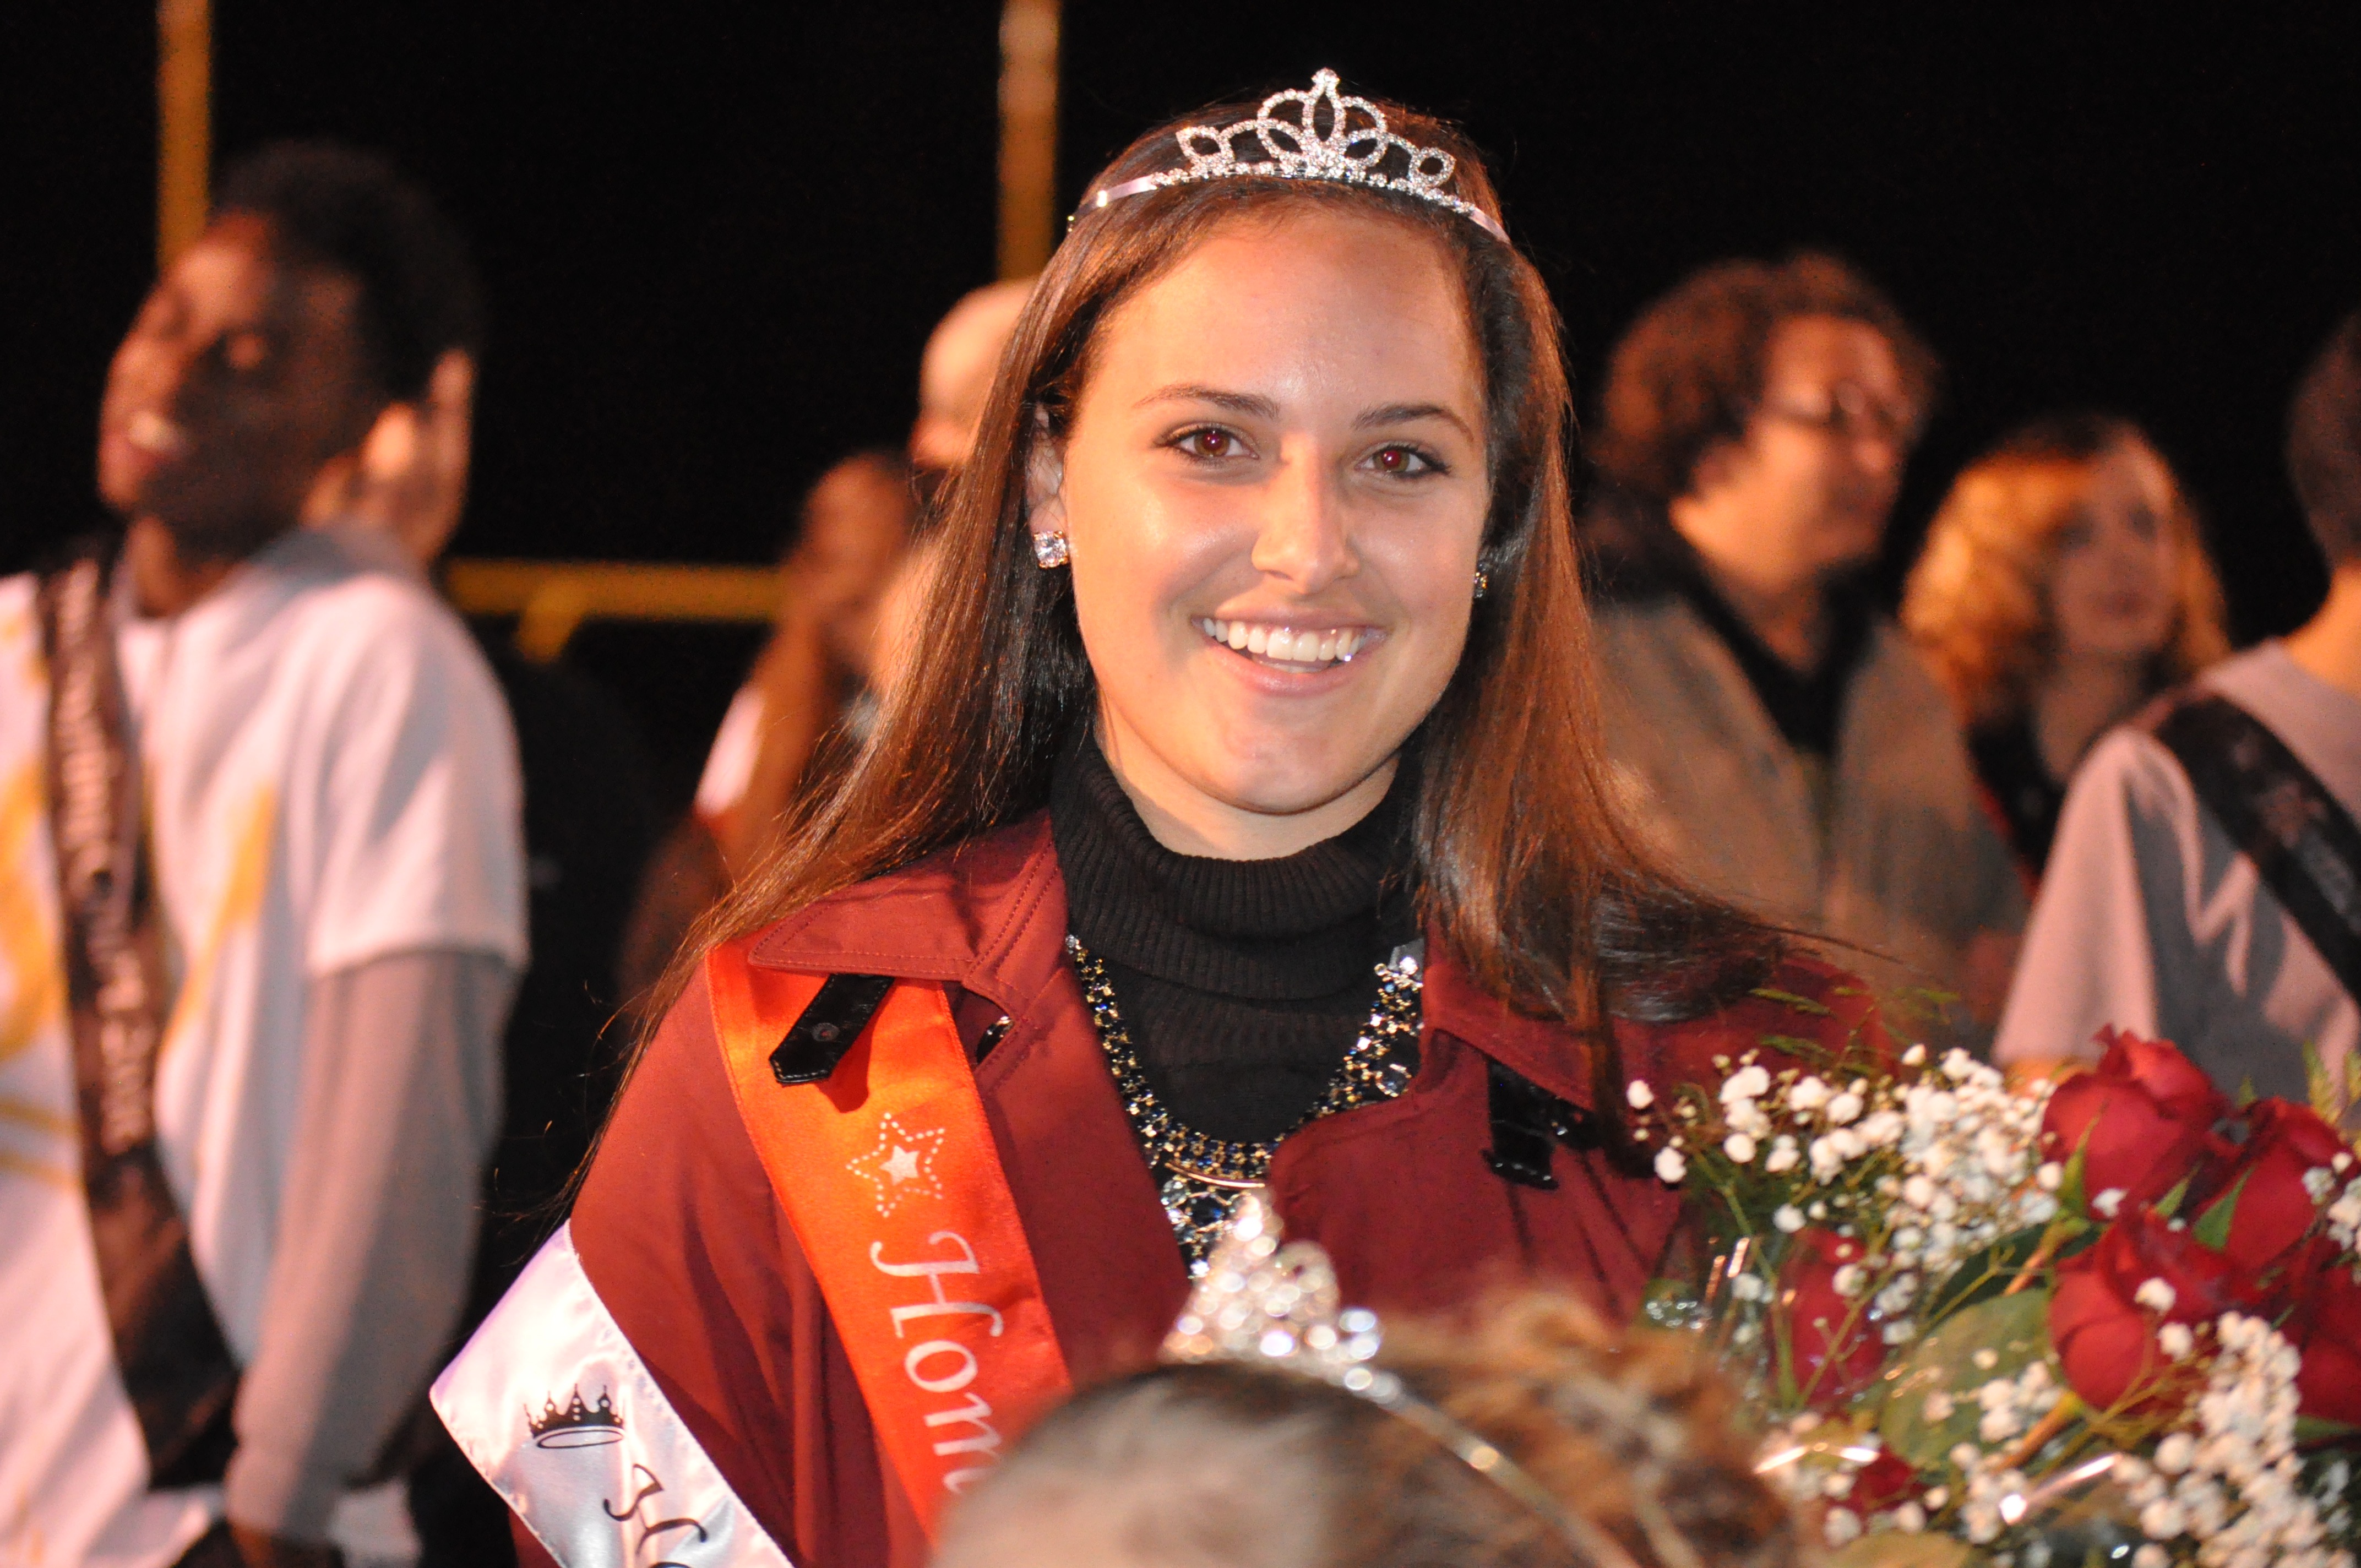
(1262,1304)
(1292,148)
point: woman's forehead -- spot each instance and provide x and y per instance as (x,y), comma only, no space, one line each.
(1301,298)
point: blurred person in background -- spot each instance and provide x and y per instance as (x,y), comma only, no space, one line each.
(1626,1450)
(257,947)
(2063,584)
(850,583)
(2203,888)
(589,827)
(1781,741)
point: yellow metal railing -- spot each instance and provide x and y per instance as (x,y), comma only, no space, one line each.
(184,137)
(551,599)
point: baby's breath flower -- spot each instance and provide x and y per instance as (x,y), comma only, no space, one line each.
(1639,1096)
(1670,1167)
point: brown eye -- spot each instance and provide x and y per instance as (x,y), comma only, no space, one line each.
(1211,442)
(1400,461)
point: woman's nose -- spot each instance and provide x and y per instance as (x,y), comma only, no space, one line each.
(1303,536)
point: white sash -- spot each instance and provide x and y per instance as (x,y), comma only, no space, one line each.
(552,1406)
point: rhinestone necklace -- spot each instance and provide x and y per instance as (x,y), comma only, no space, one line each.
(1203,1178)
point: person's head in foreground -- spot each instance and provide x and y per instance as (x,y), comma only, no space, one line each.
(1270,499)
(1230,1465)
(2068,549)
(1763,412)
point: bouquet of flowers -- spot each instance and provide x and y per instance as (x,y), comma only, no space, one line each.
(2111,1320)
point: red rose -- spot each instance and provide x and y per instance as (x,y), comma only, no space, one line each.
(1886,1482)
(2143,1119)
(2326,1330)
(2104,1334)
(2275,1208)
(1835,1337)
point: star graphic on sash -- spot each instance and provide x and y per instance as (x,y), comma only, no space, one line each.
(902,1166)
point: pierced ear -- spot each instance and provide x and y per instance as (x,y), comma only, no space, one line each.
(1045,481)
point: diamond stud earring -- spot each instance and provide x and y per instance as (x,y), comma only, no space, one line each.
(1050,550)
(1483,581)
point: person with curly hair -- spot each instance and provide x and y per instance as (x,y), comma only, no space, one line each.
(1228,1464)
(2063,584)
(1776,734)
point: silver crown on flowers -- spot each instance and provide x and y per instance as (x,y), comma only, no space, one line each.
(1288,144)
(1264,1304)
(1261,1303)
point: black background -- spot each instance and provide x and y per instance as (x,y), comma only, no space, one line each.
(716,234)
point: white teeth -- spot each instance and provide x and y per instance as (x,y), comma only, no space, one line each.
(151,432)
(1285,643)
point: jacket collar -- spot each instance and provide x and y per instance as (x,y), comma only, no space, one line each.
(990,917)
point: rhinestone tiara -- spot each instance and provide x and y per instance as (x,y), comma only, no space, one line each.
(1288,146)
(1264,1304)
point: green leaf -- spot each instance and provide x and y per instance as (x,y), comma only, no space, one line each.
(1789,999)
(1983,1274)
(2247,1095)
(2071,1199)
(2212,1226)
(2320,1428)
(2170,1204)
(2016,1329)
(2326,1094)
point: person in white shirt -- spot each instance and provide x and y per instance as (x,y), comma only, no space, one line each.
(262,912)
(2174,908)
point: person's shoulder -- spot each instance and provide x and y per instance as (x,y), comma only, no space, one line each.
(18,603)
(20,632)
(352,588)
(935,917)
(361,619)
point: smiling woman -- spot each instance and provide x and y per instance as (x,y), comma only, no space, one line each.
(1239,825)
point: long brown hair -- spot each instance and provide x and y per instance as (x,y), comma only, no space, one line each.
(1521,861)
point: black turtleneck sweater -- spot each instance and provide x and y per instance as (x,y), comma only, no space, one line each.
(1241,983)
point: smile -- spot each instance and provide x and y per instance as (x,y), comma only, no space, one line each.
(1286,648)
(153,433)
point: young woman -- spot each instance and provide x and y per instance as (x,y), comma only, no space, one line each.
(2062,586)
(1239,825)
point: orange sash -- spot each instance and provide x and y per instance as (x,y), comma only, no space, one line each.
(889,1175)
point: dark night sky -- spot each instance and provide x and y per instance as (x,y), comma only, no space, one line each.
(716,233)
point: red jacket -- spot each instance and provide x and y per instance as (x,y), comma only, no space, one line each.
(677,1230)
